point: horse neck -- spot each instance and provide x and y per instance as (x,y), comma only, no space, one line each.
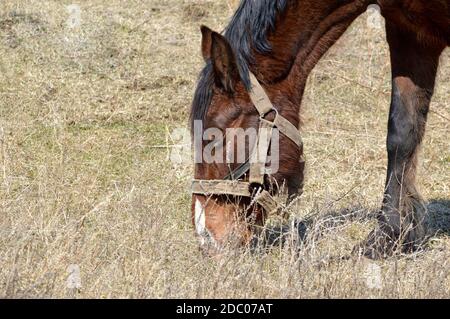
(303,34)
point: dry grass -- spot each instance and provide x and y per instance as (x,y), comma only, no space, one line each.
(81,182)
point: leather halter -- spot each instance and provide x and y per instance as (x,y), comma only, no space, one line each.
(254,188)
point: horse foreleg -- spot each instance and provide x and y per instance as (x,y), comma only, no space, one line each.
(414,67)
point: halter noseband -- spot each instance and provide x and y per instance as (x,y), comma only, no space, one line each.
(231,184)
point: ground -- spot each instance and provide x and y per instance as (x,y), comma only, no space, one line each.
(92,206)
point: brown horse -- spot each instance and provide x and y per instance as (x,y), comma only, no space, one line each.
(271,46)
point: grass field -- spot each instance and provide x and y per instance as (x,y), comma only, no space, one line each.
(87,105)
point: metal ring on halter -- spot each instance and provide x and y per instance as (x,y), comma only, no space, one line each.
(262,116)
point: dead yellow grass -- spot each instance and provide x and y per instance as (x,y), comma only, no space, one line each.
(82,183)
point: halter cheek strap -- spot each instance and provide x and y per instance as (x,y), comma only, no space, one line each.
(264,106)
(256,164)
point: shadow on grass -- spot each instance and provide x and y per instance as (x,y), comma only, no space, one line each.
(313,226)
(439,216)
(438,222)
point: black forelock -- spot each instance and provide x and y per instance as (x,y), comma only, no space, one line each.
(247,31)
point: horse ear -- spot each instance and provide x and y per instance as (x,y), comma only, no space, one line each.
(206,42)
(224,62)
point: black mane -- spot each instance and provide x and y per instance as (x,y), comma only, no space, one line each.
(247,31)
